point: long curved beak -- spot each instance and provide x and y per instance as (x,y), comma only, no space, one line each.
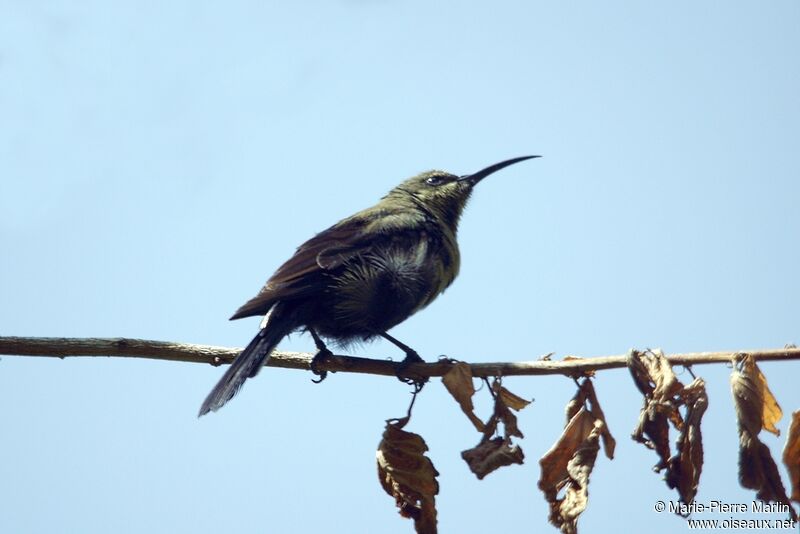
(480,175)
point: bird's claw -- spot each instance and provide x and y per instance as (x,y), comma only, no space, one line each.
(320,357)
(417,381)
(322,376)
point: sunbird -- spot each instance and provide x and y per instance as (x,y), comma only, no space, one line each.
(362,276)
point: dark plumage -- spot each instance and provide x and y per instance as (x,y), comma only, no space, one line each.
(362,276)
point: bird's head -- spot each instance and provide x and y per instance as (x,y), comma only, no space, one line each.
(444,194)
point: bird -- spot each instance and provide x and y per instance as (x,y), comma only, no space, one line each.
(362,276)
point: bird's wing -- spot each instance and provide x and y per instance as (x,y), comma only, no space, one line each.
(301,274)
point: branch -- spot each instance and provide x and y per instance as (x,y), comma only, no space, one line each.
(62,347)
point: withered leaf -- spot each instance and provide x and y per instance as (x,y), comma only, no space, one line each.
(686,466)
(757,471)
(492,454)
(791,455)
(653,374)
(757,468)
(750,383)
(653,432)
(609,443)
(654,377)
(503,415)
(772,411)
(664,395)
(511,400)
(408,475)
(458,381)
(502,412)
(567,466)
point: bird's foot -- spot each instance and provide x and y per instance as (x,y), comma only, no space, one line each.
(411,358)
(414,380)
(321,356)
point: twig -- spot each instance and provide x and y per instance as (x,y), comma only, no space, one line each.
(60,347)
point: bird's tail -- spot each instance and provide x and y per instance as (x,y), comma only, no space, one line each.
(248,363)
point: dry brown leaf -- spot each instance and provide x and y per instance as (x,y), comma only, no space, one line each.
(757,469)
(511,400)
(653,432)
(609,443)
(458,381)
(772,410)
(791,455)
(503,414)
(654,377)
(567,466)
(509,420)
(653,374)
(492,454)
(664,395)
(408,475)
(753,384)
(686,466)
(748,401)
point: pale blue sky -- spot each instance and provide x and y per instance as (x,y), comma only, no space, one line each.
(159,160)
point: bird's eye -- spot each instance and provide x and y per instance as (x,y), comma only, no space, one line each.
(435,180)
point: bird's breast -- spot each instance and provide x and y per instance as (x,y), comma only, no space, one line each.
(383,286)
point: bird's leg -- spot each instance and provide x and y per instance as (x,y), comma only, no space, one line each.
(411,357)
(411,354)
(323,353)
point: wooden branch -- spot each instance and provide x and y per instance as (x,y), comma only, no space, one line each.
(60,347)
